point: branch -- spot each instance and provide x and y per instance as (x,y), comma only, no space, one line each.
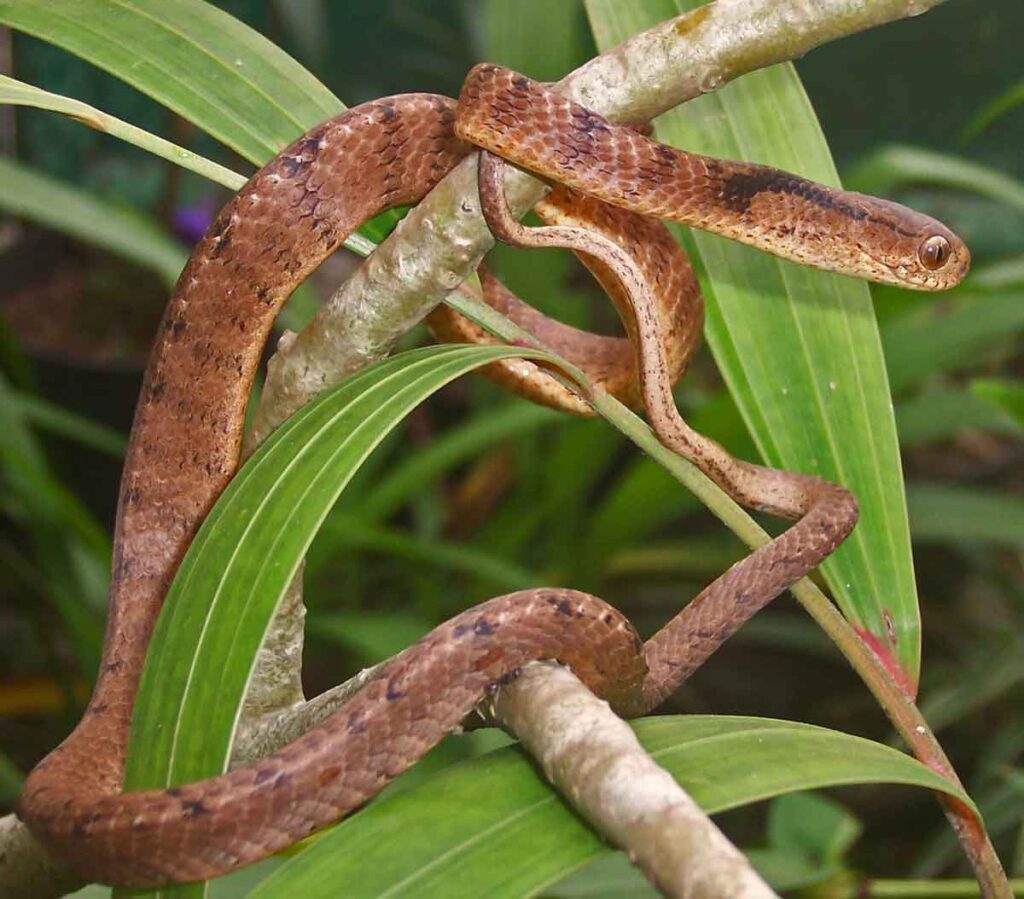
(27,869)
(595,759)
(270,732)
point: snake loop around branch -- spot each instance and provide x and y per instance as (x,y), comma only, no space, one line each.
(186,439)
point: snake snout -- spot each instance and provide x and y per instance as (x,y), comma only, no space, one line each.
(909,248)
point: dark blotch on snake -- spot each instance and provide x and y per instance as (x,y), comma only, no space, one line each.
(740,189)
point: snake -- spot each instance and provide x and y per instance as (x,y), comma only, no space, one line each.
(611,186)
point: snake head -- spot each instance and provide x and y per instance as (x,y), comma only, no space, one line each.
(837,230)
(906,248)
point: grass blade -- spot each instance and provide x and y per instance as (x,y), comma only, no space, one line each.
(70,549)
(199,61)
(18,93)
(1005,395)
(929,340)
(898,165)
(941,414)
(949,514)
(62,422)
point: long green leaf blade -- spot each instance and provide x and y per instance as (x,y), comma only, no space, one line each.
(64,423)
(421,841)
(1002,394)
(953,514)
(246,553)
(70,548)
(192,57)
(17,93)
(926,341)
(798,348)
(202,63)
(896,165)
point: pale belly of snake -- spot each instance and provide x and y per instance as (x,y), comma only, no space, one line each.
(187,433)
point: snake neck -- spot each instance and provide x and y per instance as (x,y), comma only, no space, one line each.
(783,214)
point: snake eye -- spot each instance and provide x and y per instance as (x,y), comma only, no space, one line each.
(934,252)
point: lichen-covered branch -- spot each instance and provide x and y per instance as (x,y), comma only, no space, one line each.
(26,868)
(269,732)
(596,761)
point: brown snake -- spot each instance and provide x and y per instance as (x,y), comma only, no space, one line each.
(188,427)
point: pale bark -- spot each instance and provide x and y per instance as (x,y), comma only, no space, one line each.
(597,763)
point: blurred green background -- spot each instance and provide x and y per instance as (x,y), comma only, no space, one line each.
(482,494)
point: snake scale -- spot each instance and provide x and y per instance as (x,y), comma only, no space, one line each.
(186,439)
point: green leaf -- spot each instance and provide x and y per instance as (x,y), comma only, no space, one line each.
(195,59)
(1008,272)
(786,870)
(199,61)
(897,165)
(61,207)
(372,635)
(814,826)
(943,413)
(63,423)
(642,499)
(451,449)
(19,94)
(234,886)
(931,339)
(247,551)
(536,37)
(114,227)
(799,349)
(694,557)
(607,877)
(639,501)
(308,24)
(523,837)
(70,549)
(985,674)
(11,779)
(352,532)
(950,514)
(995,109)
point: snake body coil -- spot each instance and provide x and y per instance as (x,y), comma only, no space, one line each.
(187,434)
